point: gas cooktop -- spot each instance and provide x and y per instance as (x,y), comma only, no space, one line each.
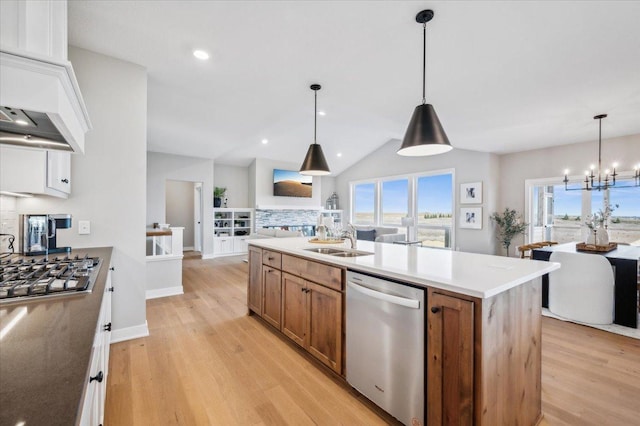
(23,279)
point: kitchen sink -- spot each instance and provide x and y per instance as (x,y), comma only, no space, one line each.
(339,252)
(351,254)
(325,250)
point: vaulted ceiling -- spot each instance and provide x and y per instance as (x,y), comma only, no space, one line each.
(503,76)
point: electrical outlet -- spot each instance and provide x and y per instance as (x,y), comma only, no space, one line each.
(84,227)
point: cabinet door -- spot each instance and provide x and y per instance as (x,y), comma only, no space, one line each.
(450,361)
(325,325)
(271,295)
(59,171)
(223,245)
(254,291)
(240,244)
(294,306)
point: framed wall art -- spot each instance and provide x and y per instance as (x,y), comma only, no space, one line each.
(471,193)
(471,217)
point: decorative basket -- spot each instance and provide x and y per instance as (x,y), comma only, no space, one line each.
(595,248)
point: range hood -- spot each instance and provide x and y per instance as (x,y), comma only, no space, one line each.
(40,103)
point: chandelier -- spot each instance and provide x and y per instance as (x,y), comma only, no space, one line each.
(602,180)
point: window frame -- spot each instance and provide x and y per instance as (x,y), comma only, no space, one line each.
(412,187)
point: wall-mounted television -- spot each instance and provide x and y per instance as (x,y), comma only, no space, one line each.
(288,183)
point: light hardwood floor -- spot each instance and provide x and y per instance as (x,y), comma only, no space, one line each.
(207,362)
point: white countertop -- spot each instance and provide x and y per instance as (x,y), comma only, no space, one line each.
(477,275)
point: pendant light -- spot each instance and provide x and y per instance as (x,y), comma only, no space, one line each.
(600,182)
(314,163)
(424,135)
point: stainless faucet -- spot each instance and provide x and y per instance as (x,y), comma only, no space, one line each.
(350,233)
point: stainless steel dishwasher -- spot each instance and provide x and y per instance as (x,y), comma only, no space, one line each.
(385,344)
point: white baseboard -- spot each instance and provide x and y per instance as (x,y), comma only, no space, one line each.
(164,292)
(190,248)
(208,256)
(129,333)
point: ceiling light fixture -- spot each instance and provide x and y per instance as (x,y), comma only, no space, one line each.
(322,113)
(609,180)
(265,141)
(339,154)
(424,135)
(314,163)
(201,54)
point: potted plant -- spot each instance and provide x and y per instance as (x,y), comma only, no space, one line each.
(509,224)
(218,195)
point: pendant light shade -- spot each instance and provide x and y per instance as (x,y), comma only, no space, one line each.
(424,135)
(314,163)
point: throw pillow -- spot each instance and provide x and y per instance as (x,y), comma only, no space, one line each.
(366,235)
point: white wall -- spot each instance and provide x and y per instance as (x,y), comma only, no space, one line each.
(163,167)
(109,180)
(470,166)
(261,170)
(551,162)
(179,208)
(236,180)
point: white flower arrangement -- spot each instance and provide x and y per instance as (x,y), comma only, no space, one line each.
(600,217)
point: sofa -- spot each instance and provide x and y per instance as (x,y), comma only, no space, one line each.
(379,234)
(274,233)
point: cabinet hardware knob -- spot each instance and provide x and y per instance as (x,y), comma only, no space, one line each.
(107,327)
(302,289)
(269,258)
(110,289)
(98,377)
(112,269)
(64,180)
(435,309)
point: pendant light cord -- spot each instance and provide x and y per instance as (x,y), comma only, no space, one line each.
(599,148)
(424,62)
(315,115)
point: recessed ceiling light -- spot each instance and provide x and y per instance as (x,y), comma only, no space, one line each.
(339,154)
(22,122)
(201,54)
(265,141)
(322,113)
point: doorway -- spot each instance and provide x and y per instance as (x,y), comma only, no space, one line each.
(183,207)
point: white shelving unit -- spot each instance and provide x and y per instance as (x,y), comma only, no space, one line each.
(231,229)
(336,214)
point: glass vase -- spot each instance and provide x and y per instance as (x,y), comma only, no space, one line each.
(603,236)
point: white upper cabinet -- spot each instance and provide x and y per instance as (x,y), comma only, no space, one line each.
(59,171)
(35,171)
(38,27)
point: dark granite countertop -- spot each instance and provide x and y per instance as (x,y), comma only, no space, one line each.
(45,352)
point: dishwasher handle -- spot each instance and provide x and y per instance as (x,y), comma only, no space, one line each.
(403,301)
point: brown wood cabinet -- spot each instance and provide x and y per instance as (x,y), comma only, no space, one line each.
(450,348)
(254,291)
(304,300)
(312,317)
(324,325)
(272,295)
(294,307)
(483,357)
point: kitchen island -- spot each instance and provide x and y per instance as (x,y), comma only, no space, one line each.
(483,321)
(47,347)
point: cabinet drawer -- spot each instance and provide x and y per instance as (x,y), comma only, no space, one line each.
(272,258)
(328,276)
